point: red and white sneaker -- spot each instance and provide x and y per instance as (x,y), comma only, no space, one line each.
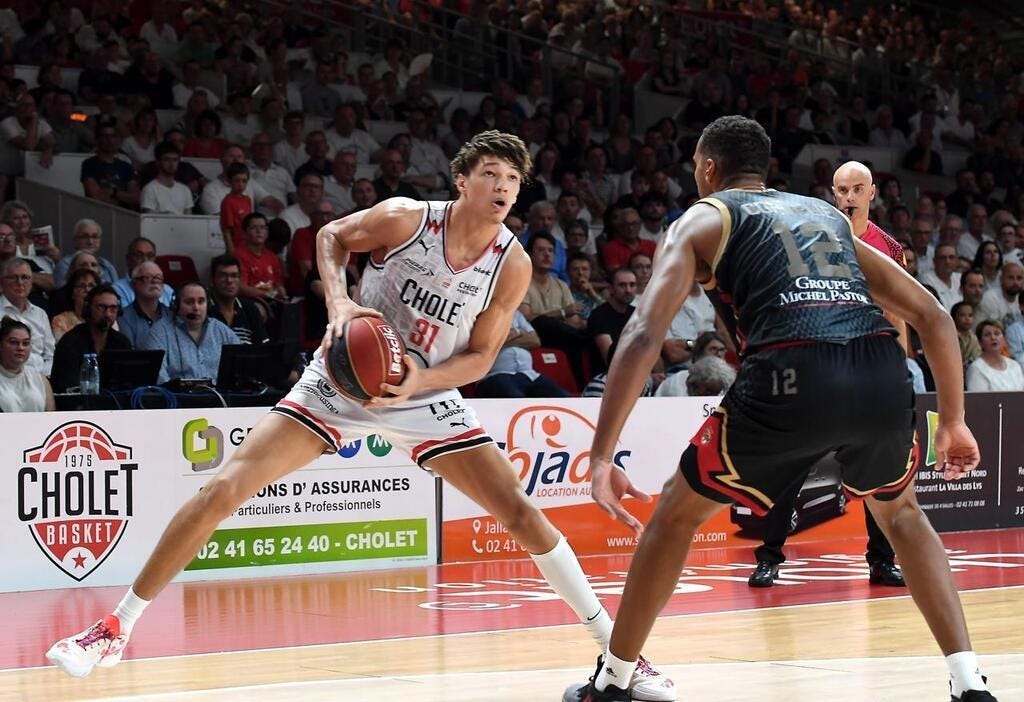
(102,644)
(650,685)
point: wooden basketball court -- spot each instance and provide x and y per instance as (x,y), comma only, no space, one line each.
(494,631)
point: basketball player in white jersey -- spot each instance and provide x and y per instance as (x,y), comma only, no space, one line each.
(449,276)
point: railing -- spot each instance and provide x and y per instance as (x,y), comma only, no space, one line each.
(457,61)
(197,236)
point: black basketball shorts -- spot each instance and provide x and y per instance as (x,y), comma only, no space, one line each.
(791,405)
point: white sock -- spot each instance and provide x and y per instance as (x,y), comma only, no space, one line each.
(615,671)
(129,610)
(964,672)
(563,572)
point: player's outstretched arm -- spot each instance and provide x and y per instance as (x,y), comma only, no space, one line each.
(692,238)
(382,227)
(489,333)
(895,290)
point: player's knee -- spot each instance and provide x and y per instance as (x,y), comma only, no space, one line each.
(221,496)
(898,517)
(520,517)
(675,505)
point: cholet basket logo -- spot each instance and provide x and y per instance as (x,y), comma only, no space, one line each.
(75,494)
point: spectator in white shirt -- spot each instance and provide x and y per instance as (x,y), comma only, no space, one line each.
(91,37)
(190,74)
(961,129)
(1001,304)
(977,232)
(275,179)
(307,197)
(159,33)
(993,372)
(533,98)
(345,136)
(885,135)
(164,194)
(944,277)
(15,284)
(338,185)
(24,131)
(291,153)
(696,316)
(928,117)
(428,166)
(239,126)
(1007,240)
(219,187)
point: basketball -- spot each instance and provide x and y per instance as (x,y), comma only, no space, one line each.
(368,353)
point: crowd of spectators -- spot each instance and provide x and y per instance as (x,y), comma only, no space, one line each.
(291,134)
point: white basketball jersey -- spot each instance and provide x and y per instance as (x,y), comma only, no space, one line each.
(434,306)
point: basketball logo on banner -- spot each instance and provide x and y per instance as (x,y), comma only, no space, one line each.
(75,495)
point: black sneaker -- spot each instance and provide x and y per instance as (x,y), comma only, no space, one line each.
(587,693)
(973,695)
(764,575)
(886,573)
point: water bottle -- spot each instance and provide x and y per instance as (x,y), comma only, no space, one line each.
(89,375)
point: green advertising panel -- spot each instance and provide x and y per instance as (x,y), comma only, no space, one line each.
(312,543)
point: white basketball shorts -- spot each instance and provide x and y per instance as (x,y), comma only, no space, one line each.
(425,428)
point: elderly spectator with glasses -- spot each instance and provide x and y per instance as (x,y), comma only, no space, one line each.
(88,236)
(16,284)
(140,250)
(146,310)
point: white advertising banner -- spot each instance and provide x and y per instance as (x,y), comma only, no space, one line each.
(548,443)
(88,495)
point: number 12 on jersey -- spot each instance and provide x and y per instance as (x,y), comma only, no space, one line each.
(423,334)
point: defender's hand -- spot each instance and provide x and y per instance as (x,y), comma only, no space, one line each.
(957,450)
(608,485)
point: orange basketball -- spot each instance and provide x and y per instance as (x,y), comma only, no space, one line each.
(368,353)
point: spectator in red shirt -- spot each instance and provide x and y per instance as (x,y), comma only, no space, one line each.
(262,272)
(302,251)
(627,241)
(207,142)
(235,207)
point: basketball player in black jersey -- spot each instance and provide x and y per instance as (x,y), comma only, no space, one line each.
(821,371)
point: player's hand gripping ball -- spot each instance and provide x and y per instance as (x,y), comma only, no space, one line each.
(369,353)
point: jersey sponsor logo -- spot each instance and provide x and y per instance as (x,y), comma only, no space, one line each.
(430,303)
(417,266)
(467,288)
(325,388)
(822,290)
(482,271)
(538,443)
(75,494)
(448,409)
(426,249)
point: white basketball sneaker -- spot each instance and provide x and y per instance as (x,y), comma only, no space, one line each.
(102,644)
(650,685)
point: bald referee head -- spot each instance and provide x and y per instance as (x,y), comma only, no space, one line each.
(854,189)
